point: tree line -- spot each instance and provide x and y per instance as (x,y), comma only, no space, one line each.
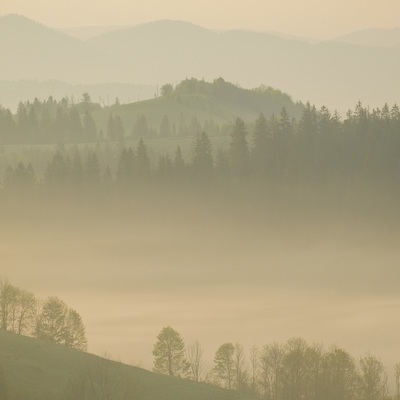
(293,370)
(318,148)
(21,312)
(71,121)
(49,121)
(55,122)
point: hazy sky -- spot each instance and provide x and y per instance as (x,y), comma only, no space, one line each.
(314,18)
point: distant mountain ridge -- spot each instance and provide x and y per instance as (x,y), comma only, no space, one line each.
(372,38)
(91,32)
(30,50)
(327,73)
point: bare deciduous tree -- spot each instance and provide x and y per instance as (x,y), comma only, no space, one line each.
(271,370)
(240,372)
(373,379)
(7,296)
(195,354)
(254,365)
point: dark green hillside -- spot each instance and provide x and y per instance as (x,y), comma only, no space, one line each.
(39,370)
(219,101)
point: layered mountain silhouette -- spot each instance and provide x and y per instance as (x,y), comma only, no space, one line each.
(372,37)
(331,73)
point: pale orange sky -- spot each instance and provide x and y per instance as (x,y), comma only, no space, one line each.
(320,19)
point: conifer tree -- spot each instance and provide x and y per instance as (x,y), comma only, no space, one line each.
(238,150)
(76,174)
(110,128)
(164,168)
(142,162)
(89,127)
(261,143)
(20,178)
(119,130)
(74,125)
(126,167)
(222,169)
(202,161)
(22,122)
(58,171)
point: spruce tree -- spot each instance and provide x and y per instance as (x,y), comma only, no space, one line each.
(260,150)
(142,162)
(202,161)
(238,150)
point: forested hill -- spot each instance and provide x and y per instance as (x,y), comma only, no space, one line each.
(34,369)
(195,101)
(181,111)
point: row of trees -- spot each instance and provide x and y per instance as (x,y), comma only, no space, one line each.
(294,370)
(68,121)
(49,121)
(52,320)
(319,148)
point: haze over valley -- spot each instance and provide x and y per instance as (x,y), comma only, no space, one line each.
(191,211)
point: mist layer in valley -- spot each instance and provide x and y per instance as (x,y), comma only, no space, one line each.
(242,265)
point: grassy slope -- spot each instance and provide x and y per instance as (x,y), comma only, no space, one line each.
(221,109)
(37,369)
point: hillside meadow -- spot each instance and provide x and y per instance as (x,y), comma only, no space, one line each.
(36,369)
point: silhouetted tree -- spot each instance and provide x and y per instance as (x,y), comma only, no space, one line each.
(19,179)
(59,324)
(57,173)
(74,125)
(261,146)
(142,162)
(179,165)
(126,166)
(89,127)
(339,375)
(372,379)
(238,150)
(202,161)
(167,90)
(224,365)
(195,354)
(169,353)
